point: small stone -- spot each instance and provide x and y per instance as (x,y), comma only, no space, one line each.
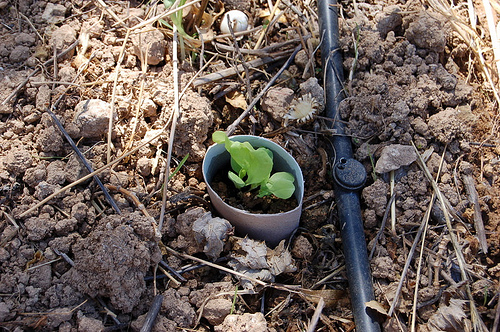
(25,39)
(20,53)
(92,117)
(62,38)
(277,102)
(17,161)
(5,313)
(216,310)
(144,166)
(427,32)
(301,59)
(148,108)
(153,42)
(388,19)
(395,156)
(54,13)
(44,189)
(312,87)
(87,324)
(37,228)
(243,323)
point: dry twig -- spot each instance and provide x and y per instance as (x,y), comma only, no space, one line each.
(470,189)
(475,317)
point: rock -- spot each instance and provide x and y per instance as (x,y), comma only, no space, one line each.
(178,309)
(54,13)
(243,323)
(87,324)
(42,100)
(427,32)
(62,38)
(302,248)
(312,87)
(444,126)
(144,166)
(92,117)
(20,53)
(148,108)
(17,161)
(395,156)
(152,41)
(301,59)
(5,313)
(388,19)
(277,102)
(45,189)
(25,39)
(38,229)
(113,260)
(192,128)
(59,316)
(216,310)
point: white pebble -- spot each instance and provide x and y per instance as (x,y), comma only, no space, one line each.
(239,21)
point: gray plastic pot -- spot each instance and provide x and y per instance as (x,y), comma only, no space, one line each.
(271,228)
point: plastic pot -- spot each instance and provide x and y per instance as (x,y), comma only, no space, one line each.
(271,228)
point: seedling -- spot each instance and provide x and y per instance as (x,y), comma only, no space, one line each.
(252,167)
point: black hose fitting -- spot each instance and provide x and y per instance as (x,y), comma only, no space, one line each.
(349,174)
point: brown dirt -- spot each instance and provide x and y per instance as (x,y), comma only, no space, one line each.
(74,264)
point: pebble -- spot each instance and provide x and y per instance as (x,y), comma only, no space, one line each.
(395,156)
(277,102)
(20,53)
(62,38)
(92,117)
(152,40)
(53,13)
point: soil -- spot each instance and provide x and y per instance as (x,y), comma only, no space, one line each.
(74,263)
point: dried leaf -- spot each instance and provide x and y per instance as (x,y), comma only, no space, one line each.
(330,296)
(213,232)
(255,259)
(450,318)
(280,260)
(377,306)
(261,274)
(236,99)
(253,254)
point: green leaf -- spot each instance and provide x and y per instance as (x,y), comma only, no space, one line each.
(238,182)
(252,167)
(219,137)
(280,184)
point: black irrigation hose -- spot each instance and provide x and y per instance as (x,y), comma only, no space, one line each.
(348,173)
